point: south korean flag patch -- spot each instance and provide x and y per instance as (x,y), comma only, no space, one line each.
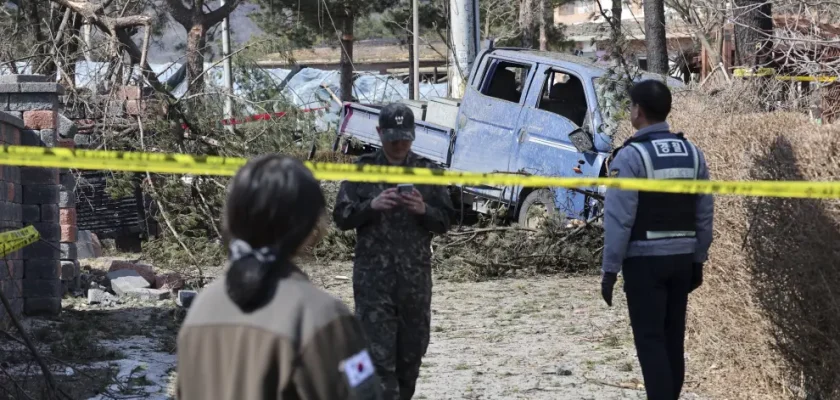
(361,375)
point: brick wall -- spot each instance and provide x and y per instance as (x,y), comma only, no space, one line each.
(44,196)
(12,266)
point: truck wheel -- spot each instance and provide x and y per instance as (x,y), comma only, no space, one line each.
(538,205)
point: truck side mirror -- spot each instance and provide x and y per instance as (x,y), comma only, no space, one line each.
(581,138)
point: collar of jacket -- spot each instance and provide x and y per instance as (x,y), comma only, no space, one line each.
(382,159)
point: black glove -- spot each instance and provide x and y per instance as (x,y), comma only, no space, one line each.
(696,276)
(607,283)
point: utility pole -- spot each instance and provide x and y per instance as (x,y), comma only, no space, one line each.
(464,23)
(415,78)
(228,70)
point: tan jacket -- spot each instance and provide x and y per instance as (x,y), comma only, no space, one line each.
(305,344)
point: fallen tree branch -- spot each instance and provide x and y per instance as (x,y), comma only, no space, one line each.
(483,230)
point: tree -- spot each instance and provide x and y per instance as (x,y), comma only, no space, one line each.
(197,22)
(753,28)
(523,23)
(328,18)
(399,22)
(657,46)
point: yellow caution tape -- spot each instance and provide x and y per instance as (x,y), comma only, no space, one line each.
(227,166)
(745,72)
(15,240)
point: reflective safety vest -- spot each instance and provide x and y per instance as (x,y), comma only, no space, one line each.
(660,216)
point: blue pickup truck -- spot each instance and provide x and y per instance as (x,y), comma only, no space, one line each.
(523,112)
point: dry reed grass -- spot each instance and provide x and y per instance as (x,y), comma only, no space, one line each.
(765,324)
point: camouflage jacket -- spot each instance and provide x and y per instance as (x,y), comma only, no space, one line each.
(394,233)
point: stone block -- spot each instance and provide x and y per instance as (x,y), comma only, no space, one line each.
(31,213)
(17,212)
(29,102)
(48,137)
(11,270)
(7,88)
(41,87)
(88,246)
(148,294)
(42,250)
(69,270)
(23,78)
(50,213)
(42,306)
(123,281)
(67,216)
(39,176)
(17,310)
(11,192)
(67,199)
(41,269)
(67,251)
(17,190)
(69,233)
(113,109)
(30,137)
(169,281)
(41,194)
(82,140)
(41,287)
(4,101)
(50,231)
(146,271)
(13,288)
(99,296)
(4,191)
(41,119)
(12,134)
(66,127)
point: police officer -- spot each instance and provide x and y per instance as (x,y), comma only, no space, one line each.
(661,240)
(263,331)
(392,281)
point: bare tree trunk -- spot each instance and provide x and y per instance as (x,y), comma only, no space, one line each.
(617,34)
(526,23)
(196,42)
(346,67)
(543,23)
(657,46)
(753,26)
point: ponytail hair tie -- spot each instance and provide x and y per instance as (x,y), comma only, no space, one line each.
(240,249)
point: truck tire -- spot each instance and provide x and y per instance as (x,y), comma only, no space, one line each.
(536,206)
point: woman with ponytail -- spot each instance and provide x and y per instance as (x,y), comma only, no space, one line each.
(263,331)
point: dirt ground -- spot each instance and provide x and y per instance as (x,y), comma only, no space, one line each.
(538,338)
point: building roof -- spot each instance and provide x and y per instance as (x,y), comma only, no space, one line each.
(633,29)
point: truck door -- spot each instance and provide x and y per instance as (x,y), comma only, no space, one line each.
(487,119)
(558,105)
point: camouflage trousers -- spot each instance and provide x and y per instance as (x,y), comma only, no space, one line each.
(394,309)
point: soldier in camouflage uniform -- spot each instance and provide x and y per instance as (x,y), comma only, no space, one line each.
(392,281)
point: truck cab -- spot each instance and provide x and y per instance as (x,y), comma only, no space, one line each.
(523,112)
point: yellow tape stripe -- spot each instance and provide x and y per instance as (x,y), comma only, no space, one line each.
(744,73)
(204,165)
(15,240)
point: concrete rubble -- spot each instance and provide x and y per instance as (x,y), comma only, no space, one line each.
(130,280)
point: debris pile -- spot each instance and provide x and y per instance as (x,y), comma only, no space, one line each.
(126,280)
(558,246)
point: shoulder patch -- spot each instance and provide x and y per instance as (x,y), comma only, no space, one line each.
(358,368)
(614,172)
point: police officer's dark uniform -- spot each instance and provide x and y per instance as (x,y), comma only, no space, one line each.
(660,239)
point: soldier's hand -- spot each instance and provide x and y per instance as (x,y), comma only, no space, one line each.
(413,202)
(386,200)
(607,283)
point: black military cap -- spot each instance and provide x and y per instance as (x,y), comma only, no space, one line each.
(396,122)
